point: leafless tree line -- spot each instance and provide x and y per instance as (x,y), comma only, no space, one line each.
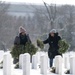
(45,18)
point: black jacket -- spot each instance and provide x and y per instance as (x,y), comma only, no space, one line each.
(22,39)
(53,45)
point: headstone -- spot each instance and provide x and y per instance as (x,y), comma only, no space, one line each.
(58,64)
(66,60)
(26,64)
(44,65)
(72,65)
(38,54)
(21,61)
(1,55)
(34,62)
(7,64)
(38,57)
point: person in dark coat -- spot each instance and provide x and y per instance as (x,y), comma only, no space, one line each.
(52,40)
(23,38)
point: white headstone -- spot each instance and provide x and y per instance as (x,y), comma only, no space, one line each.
(72,65)
(59,65)
(38,57)
(26,64)
(34,62)
(21,61)
(66,60)
(44,64)
(7,64)
(1,55)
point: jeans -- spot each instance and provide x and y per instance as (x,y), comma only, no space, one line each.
(51,62)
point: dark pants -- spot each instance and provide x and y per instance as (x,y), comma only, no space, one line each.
(51,62)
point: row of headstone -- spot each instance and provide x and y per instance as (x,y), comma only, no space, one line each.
(24,63)
(65,62)
(7,64)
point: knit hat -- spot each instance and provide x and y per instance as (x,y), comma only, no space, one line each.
(53,31)
(21,29)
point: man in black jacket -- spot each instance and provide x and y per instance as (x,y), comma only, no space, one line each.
(52,40)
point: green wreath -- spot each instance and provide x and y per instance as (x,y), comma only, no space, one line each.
(40,44)
(63,46)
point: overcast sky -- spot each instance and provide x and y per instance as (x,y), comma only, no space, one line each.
(72,2)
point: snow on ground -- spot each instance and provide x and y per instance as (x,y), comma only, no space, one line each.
(32,72)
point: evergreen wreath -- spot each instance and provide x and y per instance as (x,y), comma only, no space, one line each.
(40,44)
(63,46)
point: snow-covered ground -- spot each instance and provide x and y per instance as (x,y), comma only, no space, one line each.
(32,72)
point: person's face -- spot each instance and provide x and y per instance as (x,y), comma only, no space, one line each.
(52,34)
(23,33)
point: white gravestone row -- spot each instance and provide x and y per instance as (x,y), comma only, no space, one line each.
(7,64)
(24,63)
(34,61)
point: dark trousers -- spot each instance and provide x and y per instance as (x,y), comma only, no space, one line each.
(51,62)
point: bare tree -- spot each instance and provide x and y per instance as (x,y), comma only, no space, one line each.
(51,10)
